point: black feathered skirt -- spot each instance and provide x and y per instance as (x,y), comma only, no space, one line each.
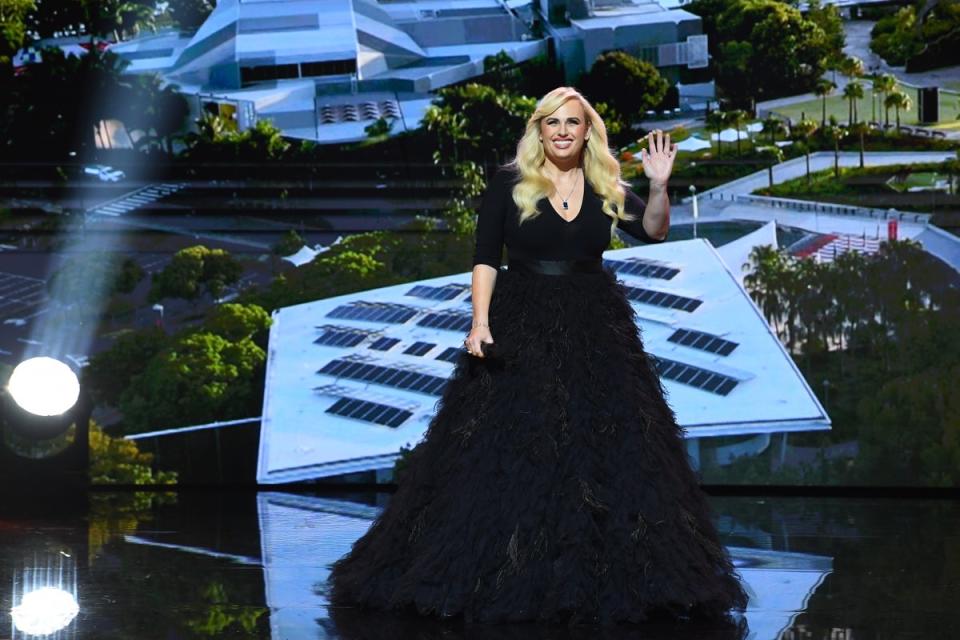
(553,482)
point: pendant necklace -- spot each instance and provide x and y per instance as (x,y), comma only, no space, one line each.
(564,200)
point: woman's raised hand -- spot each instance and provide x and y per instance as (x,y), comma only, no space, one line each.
(658,157)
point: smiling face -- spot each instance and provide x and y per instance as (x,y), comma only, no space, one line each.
(564,132)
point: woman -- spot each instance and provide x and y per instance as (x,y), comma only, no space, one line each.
(553,482)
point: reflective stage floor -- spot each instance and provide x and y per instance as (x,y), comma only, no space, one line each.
(242,565)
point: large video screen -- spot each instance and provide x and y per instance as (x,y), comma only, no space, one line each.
(240,245)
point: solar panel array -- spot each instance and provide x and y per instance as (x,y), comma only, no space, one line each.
(704,341)
(449,320)
(369,412)
(374,312)
(419,348)
(450,354)
(384,343)
(662,298)
(341,336)
(697,377)
(396,377)
(446,292)
(641,267)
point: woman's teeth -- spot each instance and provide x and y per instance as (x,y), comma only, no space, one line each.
(562,144)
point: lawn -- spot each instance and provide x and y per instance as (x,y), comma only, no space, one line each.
(838,106)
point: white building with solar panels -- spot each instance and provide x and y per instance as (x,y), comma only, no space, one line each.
(324,70)
(352,379)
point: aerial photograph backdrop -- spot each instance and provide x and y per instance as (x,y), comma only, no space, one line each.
(238,240)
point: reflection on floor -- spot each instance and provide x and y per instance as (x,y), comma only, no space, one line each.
(210,565)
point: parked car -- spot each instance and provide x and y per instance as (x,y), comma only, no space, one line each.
(104,173)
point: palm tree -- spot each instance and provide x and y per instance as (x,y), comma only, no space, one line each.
(898,100)
(811,305)
(775,156)
(738,118)
(859,129)
(717,119)
(773,126)
(853,92)
(885,84)
(848,302)
(801,133)
(172,113)
(823,88)
(834,62)
(835,133)
(852,67)
(134,16)
(766,282)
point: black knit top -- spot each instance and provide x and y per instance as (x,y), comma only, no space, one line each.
(547,236)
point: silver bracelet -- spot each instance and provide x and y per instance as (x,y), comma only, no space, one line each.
(480,324)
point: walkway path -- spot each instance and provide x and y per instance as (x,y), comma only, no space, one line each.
(852,227)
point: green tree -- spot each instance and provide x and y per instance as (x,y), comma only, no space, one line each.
(56,105)
(474,122)
(216,140)
(898,100)
(262,141)
(884,85)
(860,129)
(459,213)
(773,50)
(534,77)
(822,89)
(910,429)
(734,63)
(236,322)
(201,377)
(157,109)
(190,14)
(774,126)
(828,18)
(194,271)
(289,244)
(627,84)
(718,120)
(853,92)
(380,128)
(219,615)
(617,128)
(766,282)
(835,133)
(895,37)
(110,371)
(738,118)
(120,461)
(13,26)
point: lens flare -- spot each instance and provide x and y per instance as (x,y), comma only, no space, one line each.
(45,611)
(44,386)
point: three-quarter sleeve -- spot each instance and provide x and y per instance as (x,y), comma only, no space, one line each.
(490,219)
(634,204)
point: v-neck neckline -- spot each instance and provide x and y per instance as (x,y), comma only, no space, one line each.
(583,201)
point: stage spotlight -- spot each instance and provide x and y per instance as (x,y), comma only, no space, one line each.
(44,386)
(45,596)
(45,611)
(44,432)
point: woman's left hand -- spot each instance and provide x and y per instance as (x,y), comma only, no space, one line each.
(658,157)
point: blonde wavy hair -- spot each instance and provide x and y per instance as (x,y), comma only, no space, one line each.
(600,167)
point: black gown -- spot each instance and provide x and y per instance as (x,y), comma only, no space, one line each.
(553,482)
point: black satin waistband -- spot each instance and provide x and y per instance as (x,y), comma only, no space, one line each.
(556,267)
